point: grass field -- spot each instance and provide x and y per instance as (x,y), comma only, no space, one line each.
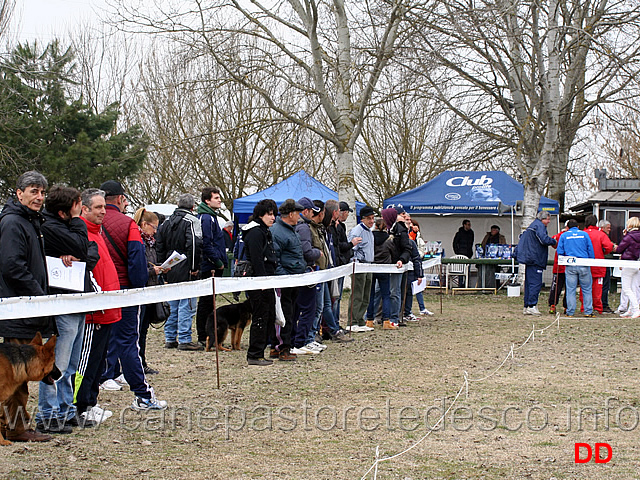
(323,417)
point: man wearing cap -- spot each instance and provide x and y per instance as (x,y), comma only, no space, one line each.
(290,258)
(362,253)
(344,249)
(306,301)
(122,236)
(214,253)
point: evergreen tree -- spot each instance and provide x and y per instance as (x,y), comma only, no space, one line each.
(43,128)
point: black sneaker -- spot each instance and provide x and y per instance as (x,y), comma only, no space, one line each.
(191,347)
(171,345)
(260,362)
(81,422)
(607,310)
(150,371)
(53,426)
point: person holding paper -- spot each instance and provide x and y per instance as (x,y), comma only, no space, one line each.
(65,237)
(181,233)
(23,272)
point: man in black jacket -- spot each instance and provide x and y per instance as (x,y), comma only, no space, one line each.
(23,272)
(65,237)
(181,232)
(463,240)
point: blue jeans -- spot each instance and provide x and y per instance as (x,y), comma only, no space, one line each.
(395,290)
(180,320)
(383,283)
(574,274)
(57,400)
(336,302)
(323,310)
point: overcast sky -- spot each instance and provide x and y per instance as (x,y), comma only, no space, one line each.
(46,19)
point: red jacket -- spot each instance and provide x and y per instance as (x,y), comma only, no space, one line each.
(601,246)
(557,268)
(105,275)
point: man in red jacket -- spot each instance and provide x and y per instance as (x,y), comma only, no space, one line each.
(97,329)
(601,246)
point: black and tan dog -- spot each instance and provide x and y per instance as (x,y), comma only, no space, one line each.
(28,362)
(235,317)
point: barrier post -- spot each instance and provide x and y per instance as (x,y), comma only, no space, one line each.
(215,329)
(353,278)
(440,282)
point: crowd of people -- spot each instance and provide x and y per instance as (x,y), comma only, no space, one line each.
(104,350)
(594,281)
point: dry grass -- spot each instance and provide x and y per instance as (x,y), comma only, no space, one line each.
(561,374)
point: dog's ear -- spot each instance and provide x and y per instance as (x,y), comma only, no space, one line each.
(37,340)
(51,343)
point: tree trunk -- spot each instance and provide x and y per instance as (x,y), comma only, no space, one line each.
(346,184)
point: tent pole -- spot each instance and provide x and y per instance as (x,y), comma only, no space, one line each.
(513,264)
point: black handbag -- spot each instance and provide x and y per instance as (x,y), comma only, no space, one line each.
(243,269)
(160,312)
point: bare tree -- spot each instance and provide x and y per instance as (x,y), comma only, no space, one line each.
(332,53)
(527,74)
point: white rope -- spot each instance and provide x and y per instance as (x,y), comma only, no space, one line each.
(45,305)
(465,387)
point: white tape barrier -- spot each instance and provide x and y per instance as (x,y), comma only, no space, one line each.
(41,306)
(597,262)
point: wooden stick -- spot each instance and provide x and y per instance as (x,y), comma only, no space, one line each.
(215,329)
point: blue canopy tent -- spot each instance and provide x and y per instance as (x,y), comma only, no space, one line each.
(296,186)
(463,192)
(479,196)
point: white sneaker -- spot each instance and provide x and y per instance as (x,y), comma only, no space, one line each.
(305,351)
(424,311)
(141,404)
(319,346)
(353,328)
(534,310)
(91,416)
(100,412)
(636,314)
(525,311)
(364,328)
(628,314)
(110,385)
(313,348)
(121,381)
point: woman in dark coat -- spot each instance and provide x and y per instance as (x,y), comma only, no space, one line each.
(260,253)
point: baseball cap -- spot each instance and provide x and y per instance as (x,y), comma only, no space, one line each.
(112,188)
(366,211)
(344,207)
(399,210)
(305,202)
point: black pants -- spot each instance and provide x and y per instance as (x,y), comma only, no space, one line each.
(205,307)
(606,283)
(263,304)
(557,286)
(92,364)
(288,297)
(305,314)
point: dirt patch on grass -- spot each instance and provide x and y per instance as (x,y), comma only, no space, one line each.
(323,416)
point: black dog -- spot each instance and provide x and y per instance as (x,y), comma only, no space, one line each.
(235,317)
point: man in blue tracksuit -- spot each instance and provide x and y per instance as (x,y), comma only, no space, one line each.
(576,243)
(533,252)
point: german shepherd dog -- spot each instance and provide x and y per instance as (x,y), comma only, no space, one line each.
(28,362)
(235,317)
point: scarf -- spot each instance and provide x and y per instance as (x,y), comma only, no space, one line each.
(147,239)
(204,208)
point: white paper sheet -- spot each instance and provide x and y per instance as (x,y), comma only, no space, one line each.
(69,278)
(174,259)
(415,288)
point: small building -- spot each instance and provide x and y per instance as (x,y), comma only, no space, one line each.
(617,200)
